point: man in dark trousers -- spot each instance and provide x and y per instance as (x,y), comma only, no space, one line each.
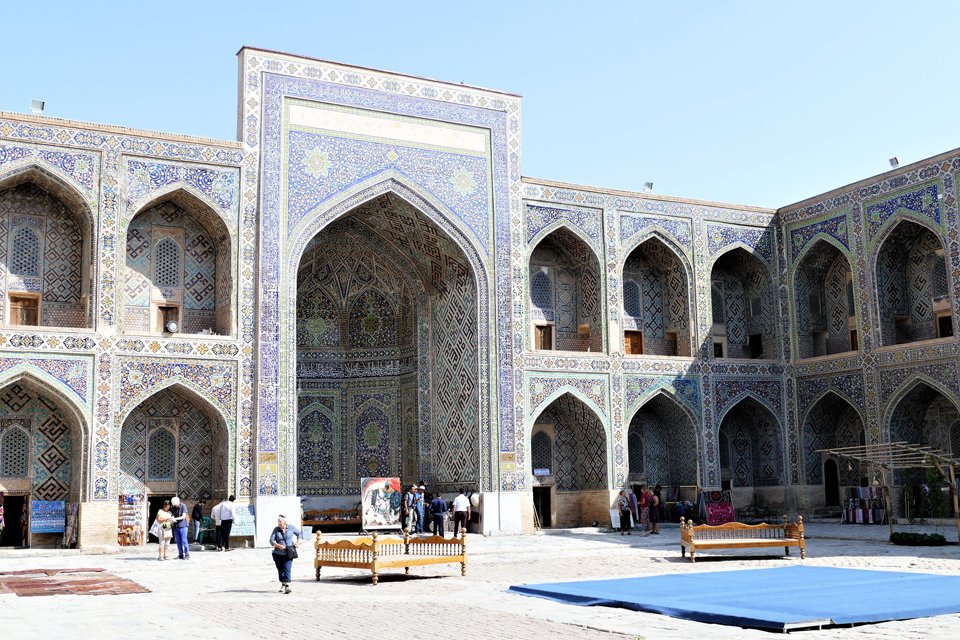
(197,517)
(438,509)
(226,522)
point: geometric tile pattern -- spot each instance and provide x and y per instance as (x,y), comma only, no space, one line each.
(33,420)
(580,444)
(667,443)
(755,450)
(832,422)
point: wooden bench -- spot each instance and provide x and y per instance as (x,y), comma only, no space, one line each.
(736,535)
(375,553)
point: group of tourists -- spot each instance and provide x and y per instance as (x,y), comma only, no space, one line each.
(172,523)
(642,508)
(415,507)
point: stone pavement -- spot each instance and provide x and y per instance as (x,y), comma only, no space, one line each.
(234,595)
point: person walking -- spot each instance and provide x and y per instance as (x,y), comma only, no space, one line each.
(215,514)
(163,529)
(623,505)
(461,512)
(285,540)
(180,533)
(438,509)
(227,513)
(654,503)
(197,516)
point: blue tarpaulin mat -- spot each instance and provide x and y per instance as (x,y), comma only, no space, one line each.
(782,599)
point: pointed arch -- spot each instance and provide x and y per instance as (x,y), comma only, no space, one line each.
(744,395)
(535,412)
(73,409)
(915,381)
(892,223)
(566,225)
(739,244)
(667,390)
(473,282)
(221,433)
(677,446)
(758,447)
(664,236)
(54,181)
(207,284)
(814,241)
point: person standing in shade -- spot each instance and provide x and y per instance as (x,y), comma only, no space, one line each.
(623,506)
(227,512)
(197,516)
(180,523)
(285,540)
(164,530)
(410,509)
(438,509)
(654,503)
(215,513)
(420,507)
(461,512)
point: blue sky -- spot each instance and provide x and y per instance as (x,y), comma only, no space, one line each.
(759,103)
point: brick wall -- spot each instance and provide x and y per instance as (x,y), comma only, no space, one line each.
(98,524)
(580,508)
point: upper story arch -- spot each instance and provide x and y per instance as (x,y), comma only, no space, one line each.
(565,291)
(743,305)
(914,301)
(178,267)
(45,255)
(824,304)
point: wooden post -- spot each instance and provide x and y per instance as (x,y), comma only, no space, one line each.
(376,552)
(956,509)
(886,498)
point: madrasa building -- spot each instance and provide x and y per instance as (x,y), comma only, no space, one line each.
(364,284)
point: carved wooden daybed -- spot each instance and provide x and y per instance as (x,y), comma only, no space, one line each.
(736,535)
(375,553)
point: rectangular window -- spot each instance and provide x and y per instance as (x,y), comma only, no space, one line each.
(168,319)
(944,325)
(756,308)
(756,345)
(815,306)
(24,310)
(719,348)
(854,340)
(543,337)
(633,342)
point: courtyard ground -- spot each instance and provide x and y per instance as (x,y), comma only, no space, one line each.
(234,595)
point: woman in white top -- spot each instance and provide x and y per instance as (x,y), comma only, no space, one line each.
(165,526)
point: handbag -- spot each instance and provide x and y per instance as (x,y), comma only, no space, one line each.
(155,529)
(292,552)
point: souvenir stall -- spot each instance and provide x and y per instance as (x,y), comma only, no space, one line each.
(865,508)
(132,519)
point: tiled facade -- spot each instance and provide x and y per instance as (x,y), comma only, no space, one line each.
(359,279)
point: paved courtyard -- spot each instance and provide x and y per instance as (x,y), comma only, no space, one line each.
(234,595)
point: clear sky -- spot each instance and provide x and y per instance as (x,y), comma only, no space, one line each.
(761,103)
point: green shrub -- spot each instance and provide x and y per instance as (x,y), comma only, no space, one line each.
(918,539)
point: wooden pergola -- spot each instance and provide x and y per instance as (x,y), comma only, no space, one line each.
(891,456)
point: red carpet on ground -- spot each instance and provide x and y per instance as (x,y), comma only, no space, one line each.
(53,582)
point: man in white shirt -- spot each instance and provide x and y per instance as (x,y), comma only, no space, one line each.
(461,512)
(226,521)
(215,513)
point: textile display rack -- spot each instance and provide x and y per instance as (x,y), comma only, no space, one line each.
(864,505)
(893,456)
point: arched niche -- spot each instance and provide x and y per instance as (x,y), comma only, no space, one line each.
(565,294)
(753,462)
(387,354)
(832,422)
(824,303)
(742,307)
(656,309)
(46,261)
(913,289)
(662,444)
(178,268)
(177,430)
(578,465)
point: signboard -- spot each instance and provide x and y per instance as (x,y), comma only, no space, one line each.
(541,472)
(381,499)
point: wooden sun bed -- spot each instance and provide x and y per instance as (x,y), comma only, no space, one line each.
(736,535)
(375,553)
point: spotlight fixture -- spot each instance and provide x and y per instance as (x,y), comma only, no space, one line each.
(648,186)
(171,326)
(37,106)
(894,162)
